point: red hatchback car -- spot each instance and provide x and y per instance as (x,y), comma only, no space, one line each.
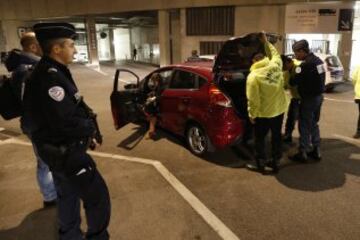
(204,101)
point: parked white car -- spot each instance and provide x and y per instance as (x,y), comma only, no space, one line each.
(334,71)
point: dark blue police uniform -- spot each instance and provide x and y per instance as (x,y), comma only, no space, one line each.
(310,79)
(61,131)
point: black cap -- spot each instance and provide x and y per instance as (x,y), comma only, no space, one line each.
(47,31)
(301,45)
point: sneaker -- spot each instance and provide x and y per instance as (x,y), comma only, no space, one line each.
(274,165)
(49,204)
(259,166)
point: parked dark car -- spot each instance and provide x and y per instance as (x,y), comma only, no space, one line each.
(204,101)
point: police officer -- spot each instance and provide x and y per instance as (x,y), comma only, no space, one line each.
(355,77)
(267,103)
(62,131)
(310,80)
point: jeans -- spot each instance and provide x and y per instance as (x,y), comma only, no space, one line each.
(44,178)
(310,108)
(292,116)
(262,127)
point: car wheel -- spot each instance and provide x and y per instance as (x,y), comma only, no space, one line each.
(197,140)
(329,89)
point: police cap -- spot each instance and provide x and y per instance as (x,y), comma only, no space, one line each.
(48,31)
(301,45)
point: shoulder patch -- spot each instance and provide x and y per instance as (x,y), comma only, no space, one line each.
(50,70)
(298,70)
(57,93)
(320,68)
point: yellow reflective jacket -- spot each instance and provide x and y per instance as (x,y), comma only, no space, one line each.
(355,77)
(290,74)
(265,86)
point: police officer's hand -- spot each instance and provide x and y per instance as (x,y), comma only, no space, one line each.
(262,37)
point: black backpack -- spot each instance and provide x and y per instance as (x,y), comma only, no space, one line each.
(11,88)
(10,104)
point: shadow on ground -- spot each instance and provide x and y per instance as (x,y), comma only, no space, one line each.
(330,173)
(40,225)
(313,176)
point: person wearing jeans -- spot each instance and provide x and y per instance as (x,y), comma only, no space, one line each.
(20,67)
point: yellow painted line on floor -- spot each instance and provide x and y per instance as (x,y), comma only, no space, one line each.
(210,218)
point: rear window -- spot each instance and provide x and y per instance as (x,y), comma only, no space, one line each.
(333,61)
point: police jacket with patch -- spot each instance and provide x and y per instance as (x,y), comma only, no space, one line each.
(50,105)
(310,77)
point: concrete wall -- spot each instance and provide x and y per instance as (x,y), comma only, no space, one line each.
(34,9)
(189,43)
(260,18)
(247,19)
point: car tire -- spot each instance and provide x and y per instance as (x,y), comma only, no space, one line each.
(197,140)
(329,89)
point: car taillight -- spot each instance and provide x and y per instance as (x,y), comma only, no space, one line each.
(218,98)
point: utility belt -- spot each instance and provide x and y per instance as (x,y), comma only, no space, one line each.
(56,155)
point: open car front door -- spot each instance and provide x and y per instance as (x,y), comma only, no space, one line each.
(125,102)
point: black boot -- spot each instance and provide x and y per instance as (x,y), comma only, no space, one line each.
(301,156)
(315,154)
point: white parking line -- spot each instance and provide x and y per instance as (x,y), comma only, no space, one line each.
(348,139)
(355,156)
(338,100)
(97,69)
(210,218)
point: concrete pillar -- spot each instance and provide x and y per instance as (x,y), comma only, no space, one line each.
(164,40)
(2,38)
(91,41)
(112,46)
(345,48)
(175,36)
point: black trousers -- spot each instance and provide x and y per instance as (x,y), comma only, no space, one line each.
(82,182)
(292,116)
(262,127)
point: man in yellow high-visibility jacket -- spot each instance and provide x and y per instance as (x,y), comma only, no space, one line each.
(267,103)
(355,77)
